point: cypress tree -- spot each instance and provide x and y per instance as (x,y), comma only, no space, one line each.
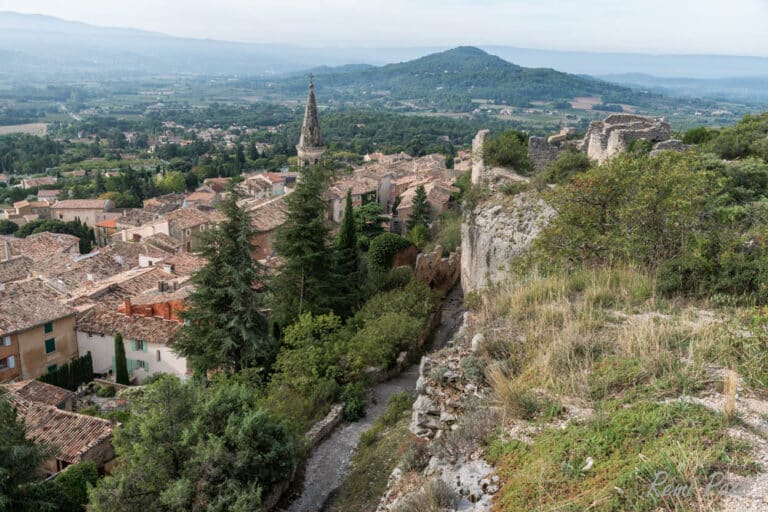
(121,364)
(346,258)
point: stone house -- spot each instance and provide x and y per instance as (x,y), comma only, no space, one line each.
(104,231)
(37,332)
(48,194)
(43,393)
(74,438)
(266,218)
(148,323)
(364,190)
(89,211)
(186,224)
(42,209)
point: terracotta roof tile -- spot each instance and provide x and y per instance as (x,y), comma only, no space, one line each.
(26,304)
(107,321)
(71,435)
(15,269)
(39,392)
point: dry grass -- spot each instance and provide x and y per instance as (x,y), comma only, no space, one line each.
(730,385)
(553,332)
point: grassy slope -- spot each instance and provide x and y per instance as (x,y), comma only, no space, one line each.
(602,341)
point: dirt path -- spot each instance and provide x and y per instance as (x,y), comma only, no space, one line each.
(327,466)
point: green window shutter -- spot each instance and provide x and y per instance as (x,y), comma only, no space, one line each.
(48,327)
(133,345)
(145,346)
(50,345)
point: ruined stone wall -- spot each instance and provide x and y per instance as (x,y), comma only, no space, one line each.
(542,153)
(479,167)
(613,135)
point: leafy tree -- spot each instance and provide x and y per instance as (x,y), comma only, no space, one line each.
(8,227)
(419,236)
(224,324)
(19,462)
(172,182)
(368,223)
(121,364)
(509,149)
(421,211)
(306,282)
(634,208)
(384,248)
(74,483)
(189,447)
(152,449)
(699,135)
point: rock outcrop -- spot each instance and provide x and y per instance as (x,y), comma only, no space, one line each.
(438,272)
(497,231)
(613,135)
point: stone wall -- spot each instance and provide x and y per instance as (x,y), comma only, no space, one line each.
(613,135)
(542,153)
(479,167)
(497,231)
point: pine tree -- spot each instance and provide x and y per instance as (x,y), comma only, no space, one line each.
(224,323)
(421,212)
(306,281)
(121,364)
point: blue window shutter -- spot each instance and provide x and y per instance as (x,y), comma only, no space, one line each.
(12,362)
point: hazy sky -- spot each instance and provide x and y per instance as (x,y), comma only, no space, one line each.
(655,26)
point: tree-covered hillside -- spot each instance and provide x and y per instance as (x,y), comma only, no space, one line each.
(452,79)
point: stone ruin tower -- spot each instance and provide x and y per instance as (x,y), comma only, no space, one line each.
(310,147)
(479,167)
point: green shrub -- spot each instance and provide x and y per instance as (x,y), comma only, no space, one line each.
(509,149)
(354,403)
(383,248)
(106,391)
(416,457)
(397,405)
(74,483)
(474,369)
(567,165)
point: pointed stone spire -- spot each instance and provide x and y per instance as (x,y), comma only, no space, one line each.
(310,147)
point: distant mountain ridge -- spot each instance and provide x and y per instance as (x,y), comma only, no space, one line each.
(452,79)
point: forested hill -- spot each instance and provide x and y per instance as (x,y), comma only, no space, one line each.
(456,77)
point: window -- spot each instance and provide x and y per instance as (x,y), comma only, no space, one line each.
(158,355)
(7,363)
(139,345)
(48,327)
(7,341)
(50,345)
(52,368)
(142,364)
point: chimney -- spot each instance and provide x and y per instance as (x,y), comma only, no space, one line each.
(88,281)
(128,308)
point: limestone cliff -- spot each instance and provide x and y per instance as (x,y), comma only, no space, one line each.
(497,231)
